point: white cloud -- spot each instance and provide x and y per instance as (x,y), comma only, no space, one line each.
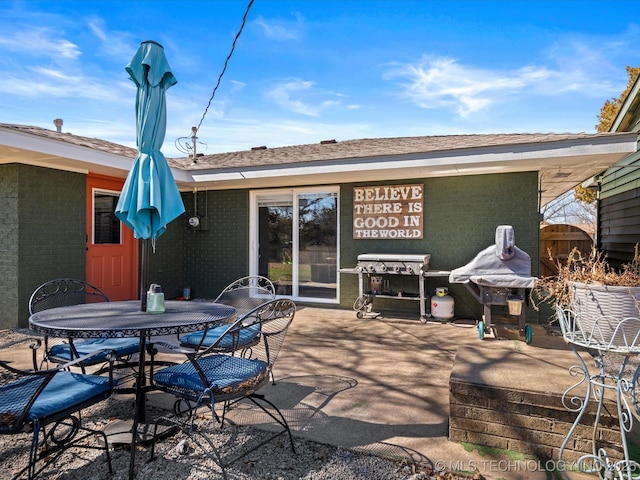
(585,65)
(96,26)
(65,48)
(242,133)
(41,42)
(280,30)
(578,65)
(50,83)
(57,75)
(237,86)
(113,43)
(284,93)
(300,96)
(437,82)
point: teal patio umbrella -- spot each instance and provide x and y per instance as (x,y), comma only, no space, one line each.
(150,198)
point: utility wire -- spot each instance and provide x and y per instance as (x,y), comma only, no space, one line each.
(226,62)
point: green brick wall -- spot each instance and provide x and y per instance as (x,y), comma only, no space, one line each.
(42,233)
(9,245)
(219,255)
(460,218)
(166,265)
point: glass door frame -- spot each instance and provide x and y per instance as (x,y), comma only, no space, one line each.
(254,235)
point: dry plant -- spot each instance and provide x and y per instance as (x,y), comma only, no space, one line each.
(591,270)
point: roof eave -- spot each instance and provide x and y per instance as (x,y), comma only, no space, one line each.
(21,147)
(577,159)
(625,115)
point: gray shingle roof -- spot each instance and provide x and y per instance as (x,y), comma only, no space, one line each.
(371,147)
(94,143)
(321,152)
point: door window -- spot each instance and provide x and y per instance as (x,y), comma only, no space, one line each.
(106,226)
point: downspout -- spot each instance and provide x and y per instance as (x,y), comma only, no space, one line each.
(596,239)
(540,216)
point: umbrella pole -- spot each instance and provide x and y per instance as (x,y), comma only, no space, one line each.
(144,275)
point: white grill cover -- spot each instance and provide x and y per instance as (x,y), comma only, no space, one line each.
(500,265)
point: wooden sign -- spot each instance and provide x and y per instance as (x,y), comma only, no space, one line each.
(391,212)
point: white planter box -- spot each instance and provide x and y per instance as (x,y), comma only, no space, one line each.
(607,315)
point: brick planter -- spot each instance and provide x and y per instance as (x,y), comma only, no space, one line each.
(527,422)
(510,398)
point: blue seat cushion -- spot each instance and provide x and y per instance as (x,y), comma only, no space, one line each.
(224,373)
(247,336)
(122,346)
(64,391)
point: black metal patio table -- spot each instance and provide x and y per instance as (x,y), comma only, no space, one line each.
(124,319)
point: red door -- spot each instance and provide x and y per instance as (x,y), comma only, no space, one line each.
(112,253)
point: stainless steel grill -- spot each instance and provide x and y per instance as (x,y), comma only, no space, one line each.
(372,269)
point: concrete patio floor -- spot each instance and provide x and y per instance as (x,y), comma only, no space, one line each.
(382,385)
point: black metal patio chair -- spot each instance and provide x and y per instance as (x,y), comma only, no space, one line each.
(248,292)
(215,380)
(64,292)
(244,294)
(49,402)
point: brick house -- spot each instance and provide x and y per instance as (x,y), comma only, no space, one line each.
(291,213)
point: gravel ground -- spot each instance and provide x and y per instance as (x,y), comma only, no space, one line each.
(273,461)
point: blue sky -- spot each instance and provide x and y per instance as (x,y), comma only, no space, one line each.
(310,70)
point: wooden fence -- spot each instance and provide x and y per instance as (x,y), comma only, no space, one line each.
(557,241)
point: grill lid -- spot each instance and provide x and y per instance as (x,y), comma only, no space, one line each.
(392,257)
(398,263)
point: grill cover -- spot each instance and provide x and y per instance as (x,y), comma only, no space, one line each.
(500,265)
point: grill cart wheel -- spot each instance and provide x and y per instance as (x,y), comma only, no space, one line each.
(361,303)
(528,334)
(364,307)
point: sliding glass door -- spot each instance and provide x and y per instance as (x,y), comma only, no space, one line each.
(295,241)
(275,241)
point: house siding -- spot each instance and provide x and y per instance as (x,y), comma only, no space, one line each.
(215,257)
(619,206)
(619,211)
(166,264)
(460,219)
(42,233)
(9,261)
(44,214)
(619,196)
